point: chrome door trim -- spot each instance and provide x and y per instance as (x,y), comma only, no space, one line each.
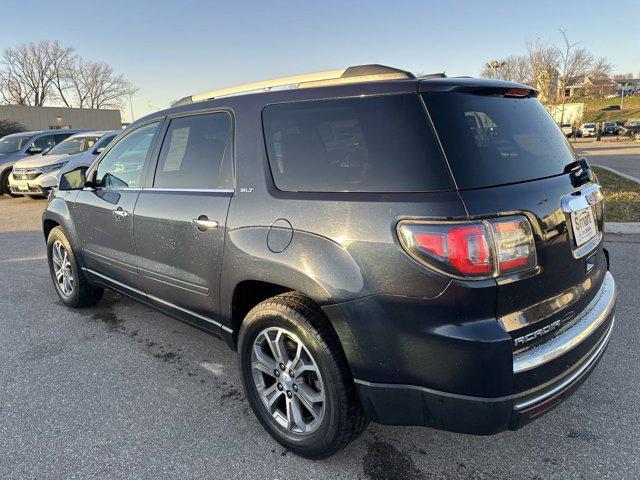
(158,299)
(203,225)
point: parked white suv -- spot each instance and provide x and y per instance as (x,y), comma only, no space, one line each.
(35,176)
(588,130)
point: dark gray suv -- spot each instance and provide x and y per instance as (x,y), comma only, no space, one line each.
(376,246)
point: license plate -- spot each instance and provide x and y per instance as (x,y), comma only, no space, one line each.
(584,225)
(23,186)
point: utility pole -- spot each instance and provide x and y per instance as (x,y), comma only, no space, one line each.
(624,87)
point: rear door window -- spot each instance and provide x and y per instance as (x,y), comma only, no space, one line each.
(196,153)
(45,142)
(495,140)
(105,141)
(372,144)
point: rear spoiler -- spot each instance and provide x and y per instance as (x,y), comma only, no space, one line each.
(477,86)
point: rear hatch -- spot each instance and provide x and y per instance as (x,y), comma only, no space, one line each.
(508,156)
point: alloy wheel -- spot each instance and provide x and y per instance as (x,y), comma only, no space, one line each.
(62,268)
(288,380)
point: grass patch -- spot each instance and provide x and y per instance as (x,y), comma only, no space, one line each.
(593,108)
(621,197)
(590,104)
(611,115)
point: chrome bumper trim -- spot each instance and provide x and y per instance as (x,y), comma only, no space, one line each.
(573,377)
(572,337)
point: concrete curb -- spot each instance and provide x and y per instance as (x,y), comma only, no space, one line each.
(623,175)
(622,228)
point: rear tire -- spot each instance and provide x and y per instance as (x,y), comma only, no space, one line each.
(314,411)
(69,280)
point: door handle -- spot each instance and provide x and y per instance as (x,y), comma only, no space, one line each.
(120,214)
(202,223)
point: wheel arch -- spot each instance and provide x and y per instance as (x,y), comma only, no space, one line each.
(58,214)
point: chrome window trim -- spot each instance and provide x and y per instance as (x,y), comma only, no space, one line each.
(572,337)
(197,190)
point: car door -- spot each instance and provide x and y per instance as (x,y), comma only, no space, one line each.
(104,211)
(179,222)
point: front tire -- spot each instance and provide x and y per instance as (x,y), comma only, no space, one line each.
(296,377)
(70,283)
(4,184)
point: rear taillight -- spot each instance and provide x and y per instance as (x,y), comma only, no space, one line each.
(471,250)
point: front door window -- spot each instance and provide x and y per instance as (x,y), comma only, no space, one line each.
(122,166)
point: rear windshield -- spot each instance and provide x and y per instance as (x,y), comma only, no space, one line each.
(492,140)
(373,144)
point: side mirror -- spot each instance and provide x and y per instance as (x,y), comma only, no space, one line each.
(73,180)
(34,150)
(98,151)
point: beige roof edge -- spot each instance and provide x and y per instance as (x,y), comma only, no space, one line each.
(363,73)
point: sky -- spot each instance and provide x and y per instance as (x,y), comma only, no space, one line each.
(171,49)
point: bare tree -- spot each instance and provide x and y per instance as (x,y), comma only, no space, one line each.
(29,72)
(514,68)
(601,70)
(543,67)
(573,64)
(96,85)
(45,72)
(7,127)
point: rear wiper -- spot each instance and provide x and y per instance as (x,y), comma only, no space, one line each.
(580,172)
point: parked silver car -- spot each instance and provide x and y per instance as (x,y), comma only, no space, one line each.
(35,176)
(26,144)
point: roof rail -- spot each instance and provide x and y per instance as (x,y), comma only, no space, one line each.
(356,74)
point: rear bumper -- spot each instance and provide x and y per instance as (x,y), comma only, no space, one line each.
(393,404)
(585,341)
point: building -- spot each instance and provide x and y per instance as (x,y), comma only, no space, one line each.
(588,87)
(629,86)
(62,118)
(571,113)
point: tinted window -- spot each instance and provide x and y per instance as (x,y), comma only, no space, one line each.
(196,153)
(105,141)
(73,145)
(122,165)
(60,137)
(45,142)
(12,144)
(374,144)
(491,140)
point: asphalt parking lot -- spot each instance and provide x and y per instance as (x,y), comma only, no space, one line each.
(621,156)
(120,391)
